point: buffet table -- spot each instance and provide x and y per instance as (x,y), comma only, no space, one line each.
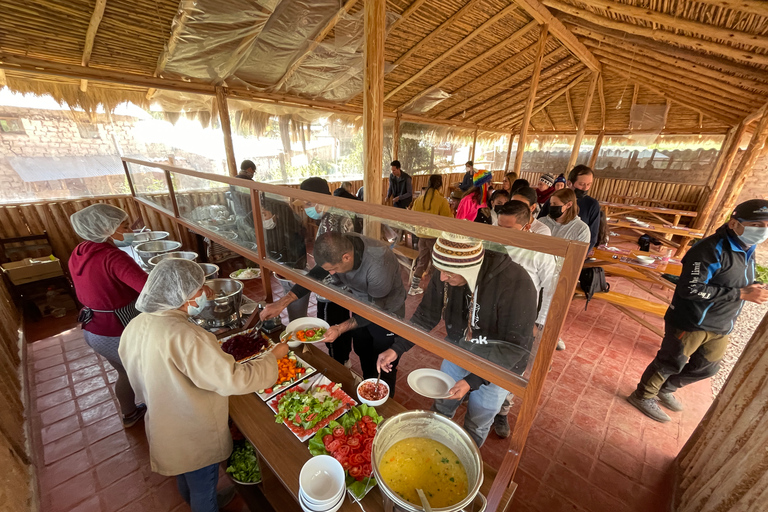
(282,455)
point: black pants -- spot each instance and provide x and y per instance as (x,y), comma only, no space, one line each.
(335,314)
(370,341)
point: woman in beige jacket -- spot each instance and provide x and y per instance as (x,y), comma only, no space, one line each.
(179,371)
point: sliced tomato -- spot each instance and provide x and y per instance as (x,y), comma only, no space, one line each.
(312,416)
(366,470)
(367,456)
(355,471)
(327,439)
(297,419)
(268,391)
(309,333)
(338,432)
(368,445)
(353,442)
(345,463)
(334,445)
(344,450)
(339,457)
(367,419)
(372,430)
(357,459)
(305,409)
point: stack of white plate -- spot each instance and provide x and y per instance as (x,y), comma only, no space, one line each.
(321,485)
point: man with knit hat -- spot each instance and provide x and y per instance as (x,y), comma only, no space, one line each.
(718,276)
(489,306)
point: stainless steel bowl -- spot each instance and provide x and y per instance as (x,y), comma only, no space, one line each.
(211,270)
(149,250)
(224,308)
(148,236)
(187,255)
(432,426)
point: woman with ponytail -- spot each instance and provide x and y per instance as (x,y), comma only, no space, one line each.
(431,201)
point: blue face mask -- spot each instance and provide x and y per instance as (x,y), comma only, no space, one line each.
(753,235)
(312,213)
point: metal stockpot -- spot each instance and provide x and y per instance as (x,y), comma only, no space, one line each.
(439,428)
(211,270)
(149,250)
(224,308)
(147,236)
(187,255)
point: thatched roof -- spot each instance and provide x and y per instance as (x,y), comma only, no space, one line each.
(681,65)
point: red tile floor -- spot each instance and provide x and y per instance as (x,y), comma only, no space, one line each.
(588,450)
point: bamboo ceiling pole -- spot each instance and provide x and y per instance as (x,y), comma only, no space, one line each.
(3,78)
(531,98)
(90,37)
(755,148)
(596,149)
(373,99)
(583,121)
(474,145)
(570,108)
(226,129)
(727,153)
(509,151)
(396,138)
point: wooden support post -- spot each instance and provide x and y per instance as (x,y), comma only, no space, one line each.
(740,174)
(474,145)
(373,99)
(727,155)
(531,98)
(509,151)
(596,150)
(226,128)
(583,121)
(396,138)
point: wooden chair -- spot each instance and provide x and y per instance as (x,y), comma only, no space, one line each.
(23,292)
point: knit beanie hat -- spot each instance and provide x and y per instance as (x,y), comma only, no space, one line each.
(560,179)
(459,254)
(482,179)
(548,179)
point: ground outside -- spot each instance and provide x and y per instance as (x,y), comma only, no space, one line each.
(588,450)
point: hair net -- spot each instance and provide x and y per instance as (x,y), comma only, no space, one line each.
(97,222)
(170,284)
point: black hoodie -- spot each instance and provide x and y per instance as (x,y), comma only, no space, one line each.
(505,312)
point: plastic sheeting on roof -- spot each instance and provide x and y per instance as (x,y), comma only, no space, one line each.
(41,168)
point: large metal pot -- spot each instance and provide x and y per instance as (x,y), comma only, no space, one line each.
(147,236)
(187,255)
(224,308)
(439,428)
(149,250)
(211,270)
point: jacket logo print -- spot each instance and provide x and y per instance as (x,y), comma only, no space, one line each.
(480,340)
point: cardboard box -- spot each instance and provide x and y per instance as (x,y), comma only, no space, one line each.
(30,270)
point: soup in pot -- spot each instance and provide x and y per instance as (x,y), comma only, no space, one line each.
(426,464)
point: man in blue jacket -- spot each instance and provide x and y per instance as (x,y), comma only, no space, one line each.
(718,276)
(580,181)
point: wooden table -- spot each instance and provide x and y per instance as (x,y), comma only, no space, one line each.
(282,455)
(650,200)
(686,234)
(655,212)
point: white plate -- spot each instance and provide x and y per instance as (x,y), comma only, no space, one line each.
(431,383)
(252,330)
(258,270)
(302,323)
(306,507)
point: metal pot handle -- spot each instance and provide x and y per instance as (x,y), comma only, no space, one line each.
(471,508)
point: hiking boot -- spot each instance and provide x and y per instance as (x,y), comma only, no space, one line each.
(129,421)
(560,344)
(669,401)
(501,426)
(225,496)
(415,291)
(649,407)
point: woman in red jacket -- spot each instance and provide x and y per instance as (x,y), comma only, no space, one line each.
(108,282)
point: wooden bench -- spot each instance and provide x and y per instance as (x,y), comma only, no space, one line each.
(626,304)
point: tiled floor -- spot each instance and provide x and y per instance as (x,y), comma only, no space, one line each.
(588,451)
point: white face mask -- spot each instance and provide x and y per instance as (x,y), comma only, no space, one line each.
(201,301)
(753,235)
(269,223)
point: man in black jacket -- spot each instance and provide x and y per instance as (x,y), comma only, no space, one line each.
(718,276)
(466,182)
(489,310)
(400,186)
(580,181)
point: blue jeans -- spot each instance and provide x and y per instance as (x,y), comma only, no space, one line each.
(484,403)
(198,488)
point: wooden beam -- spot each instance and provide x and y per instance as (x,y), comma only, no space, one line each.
(509,151)
(549,119)
(90,37)
(596,150)
(570,108)
(635,92)
(406,14)
(453,49)
(544,33)
(680,23)
(758,7)
(601,96)
(503,86)
(728,153)
(474,145)
(582,122)
(469,65)
(754,150)
(226,129)
(373,98)
(315,42)
(541,14)
(3,78)
(396,138)
(747,75)
(661,35)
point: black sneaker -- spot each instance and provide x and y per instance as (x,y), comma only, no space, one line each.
(670,401)
(129,421)
(649,407)
(501,426)
(225,496)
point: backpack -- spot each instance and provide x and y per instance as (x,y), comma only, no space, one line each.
(592,280)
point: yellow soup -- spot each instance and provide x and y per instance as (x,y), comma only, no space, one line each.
(421,463)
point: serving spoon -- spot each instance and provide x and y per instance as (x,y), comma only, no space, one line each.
(424,502)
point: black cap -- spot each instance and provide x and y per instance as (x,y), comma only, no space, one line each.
(315,184)
(752,210)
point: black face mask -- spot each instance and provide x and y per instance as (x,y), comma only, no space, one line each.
(579,193)
(555,211)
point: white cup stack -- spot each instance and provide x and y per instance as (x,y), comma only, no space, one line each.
(322,485)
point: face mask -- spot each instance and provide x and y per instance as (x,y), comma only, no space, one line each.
(579,193)
(753,235)
(270,223)
(312,213)
(120,243)
(555,211)
(201,301)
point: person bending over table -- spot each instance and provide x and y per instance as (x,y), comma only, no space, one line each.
(370,271)
(528,196)
(489,306)
(178,369)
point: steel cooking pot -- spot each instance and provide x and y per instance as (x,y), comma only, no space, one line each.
(187,255)
(224,308)
(149,250)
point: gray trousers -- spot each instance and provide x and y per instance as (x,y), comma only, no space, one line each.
(106,346)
